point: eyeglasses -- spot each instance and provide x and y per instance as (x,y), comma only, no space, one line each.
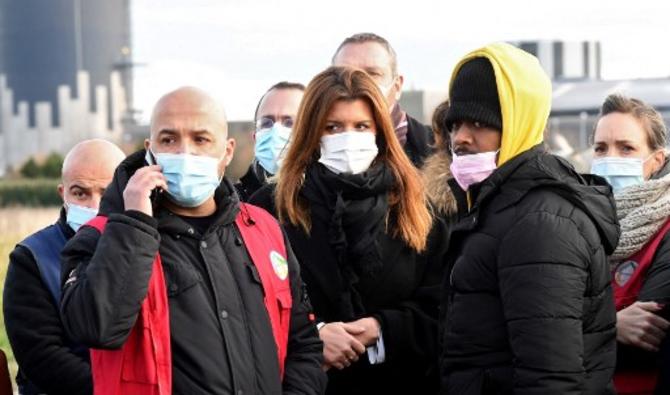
(269,122)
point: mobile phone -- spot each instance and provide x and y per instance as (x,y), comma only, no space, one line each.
(156,192)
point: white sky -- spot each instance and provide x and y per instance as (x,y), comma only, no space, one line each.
(236,49)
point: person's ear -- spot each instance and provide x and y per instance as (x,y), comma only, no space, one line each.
(659,159)
(147,143)
(399,81)
(229,153)
(227,156)
(61,192)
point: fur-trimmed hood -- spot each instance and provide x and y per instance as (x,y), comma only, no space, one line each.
(436,174)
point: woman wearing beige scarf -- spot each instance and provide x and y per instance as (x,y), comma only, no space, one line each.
(629,151)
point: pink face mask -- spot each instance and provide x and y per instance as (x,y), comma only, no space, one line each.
(474,168)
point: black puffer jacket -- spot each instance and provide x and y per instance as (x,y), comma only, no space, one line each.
(221,338)
(528,305)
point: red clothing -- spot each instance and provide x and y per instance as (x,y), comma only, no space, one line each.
(627,281)
(143,366)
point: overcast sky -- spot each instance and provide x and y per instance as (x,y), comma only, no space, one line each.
(236,49)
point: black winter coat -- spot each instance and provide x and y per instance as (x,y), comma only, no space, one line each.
(403,297)
(36,333)
(221,338)
(528,305)
(251,181)
(419,141)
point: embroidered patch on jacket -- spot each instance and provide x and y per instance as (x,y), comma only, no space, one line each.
(624,271)
(279,265)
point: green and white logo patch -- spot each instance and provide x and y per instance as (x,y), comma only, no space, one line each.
(279,265)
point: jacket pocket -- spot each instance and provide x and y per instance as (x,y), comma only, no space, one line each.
(285,302)
(180,278)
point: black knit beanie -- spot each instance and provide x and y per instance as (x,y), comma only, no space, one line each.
(474,95)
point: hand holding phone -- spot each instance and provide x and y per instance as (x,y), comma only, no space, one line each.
(138,191)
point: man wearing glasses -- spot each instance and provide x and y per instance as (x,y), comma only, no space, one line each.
(274,117)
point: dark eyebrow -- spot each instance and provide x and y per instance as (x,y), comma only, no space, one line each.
(85,188)
(168,131)
(624,142)
(201,132)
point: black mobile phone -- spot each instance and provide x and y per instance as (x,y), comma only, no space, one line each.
(156,192)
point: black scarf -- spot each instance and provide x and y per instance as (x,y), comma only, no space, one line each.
(355,206)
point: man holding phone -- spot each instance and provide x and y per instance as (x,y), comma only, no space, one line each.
(178,287)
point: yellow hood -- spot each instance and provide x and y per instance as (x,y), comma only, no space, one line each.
(524,91)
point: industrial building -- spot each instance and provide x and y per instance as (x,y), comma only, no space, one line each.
(65,75)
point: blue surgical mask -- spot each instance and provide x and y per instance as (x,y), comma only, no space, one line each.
(191,179)
(619,172)
(79,215)
(271,146)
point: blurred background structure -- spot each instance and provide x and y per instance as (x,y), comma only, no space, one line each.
(68,68)
(65,75)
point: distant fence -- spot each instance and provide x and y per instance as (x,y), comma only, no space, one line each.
(29,192)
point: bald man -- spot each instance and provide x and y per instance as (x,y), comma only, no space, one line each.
(49,361)
(177,286)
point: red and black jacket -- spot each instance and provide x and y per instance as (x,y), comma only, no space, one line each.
(221,335)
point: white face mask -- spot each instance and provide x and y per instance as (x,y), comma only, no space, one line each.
(348,151)
(386,91)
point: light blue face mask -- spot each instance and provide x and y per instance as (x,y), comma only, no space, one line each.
(619,172)
(191,179)
(271,145)
(79,215)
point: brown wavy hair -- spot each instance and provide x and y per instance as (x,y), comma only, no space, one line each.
(407,200)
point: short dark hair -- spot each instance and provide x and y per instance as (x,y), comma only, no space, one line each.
(278,86)
(361,38)
(657,134)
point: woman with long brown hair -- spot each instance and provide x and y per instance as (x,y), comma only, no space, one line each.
(355,212)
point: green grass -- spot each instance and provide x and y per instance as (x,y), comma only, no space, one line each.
(38,192)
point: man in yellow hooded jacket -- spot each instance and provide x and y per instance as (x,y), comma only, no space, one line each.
(528,306)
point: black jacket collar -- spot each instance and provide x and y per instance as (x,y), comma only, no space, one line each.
(62,223)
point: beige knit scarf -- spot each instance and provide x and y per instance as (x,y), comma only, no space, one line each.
(642,210)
